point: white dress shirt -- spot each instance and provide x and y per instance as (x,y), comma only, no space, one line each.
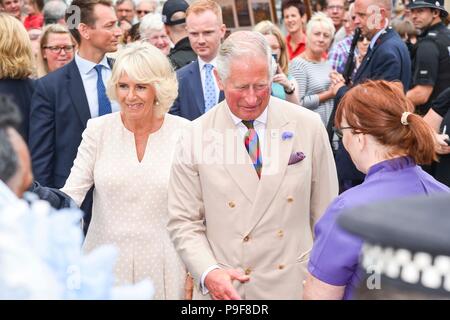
(201,65)
(89,78)
(259,124)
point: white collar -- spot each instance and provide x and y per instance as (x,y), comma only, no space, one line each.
(261,119)
(85,66)
(378,34)
(201,63)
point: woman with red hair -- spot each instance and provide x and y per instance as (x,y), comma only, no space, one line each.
(386,141)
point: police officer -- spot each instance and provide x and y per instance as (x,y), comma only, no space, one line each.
(431,56)
(406,251)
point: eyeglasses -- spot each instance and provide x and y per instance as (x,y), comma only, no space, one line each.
(338,8)
(57,49)
(143,11)
(339,132)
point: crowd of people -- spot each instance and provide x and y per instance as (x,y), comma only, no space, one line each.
(220,164)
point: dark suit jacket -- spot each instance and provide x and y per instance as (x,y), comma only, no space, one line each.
(59,113)
(388,60)
(190,101)
(20,91)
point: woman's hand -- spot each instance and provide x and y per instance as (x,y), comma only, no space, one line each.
(282,79)
(337,82)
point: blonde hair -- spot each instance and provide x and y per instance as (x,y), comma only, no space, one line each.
(200,6)
(16,56)
(266,27)
(320,18)
(146,64)
(42,65)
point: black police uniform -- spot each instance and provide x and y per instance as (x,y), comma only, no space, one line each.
(431,55)
(182,54)
(442,107)
(432,62)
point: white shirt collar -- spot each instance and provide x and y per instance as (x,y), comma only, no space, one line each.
(261,119)
(201,63)
(85,66)
(378,34)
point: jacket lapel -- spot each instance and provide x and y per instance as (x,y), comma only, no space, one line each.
(77,93)
(366,60)
(237,162)
(275,161)
(196,87)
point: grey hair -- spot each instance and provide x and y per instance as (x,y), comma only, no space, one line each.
(54,10)
(150,22)
(119,2)
(239,44)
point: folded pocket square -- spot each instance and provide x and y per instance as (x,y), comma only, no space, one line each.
(296,157)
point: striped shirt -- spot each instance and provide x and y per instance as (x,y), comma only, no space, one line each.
(312,78)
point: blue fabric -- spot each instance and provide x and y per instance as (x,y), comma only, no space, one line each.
(334,257)
(210,91)
(190,103)
(278,90)
(388,60)
(104,105)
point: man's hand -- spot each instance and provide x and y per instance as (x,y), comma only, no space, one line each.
(441,146)
(219,283)
(188,287)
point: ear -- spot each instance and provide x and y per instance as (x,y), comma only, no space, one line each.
(362,141)
(83,29)
(223,30)
(220,83)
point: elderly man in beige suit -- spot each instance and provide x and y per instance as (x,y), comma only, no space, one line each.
(249,180)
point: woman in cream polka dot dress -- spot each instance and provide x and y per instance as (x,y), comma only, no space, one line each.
(127,155)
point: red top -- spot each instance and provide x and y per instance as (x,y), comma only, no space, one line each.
(35,21)
(300,47)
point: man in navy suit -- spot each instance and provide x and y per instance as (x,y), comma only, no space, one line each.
(387,58)
(64,100)
(197,88)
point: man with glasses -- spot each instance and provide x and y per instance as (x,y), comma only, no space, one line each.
(66,99)
(145,7)
(336,12)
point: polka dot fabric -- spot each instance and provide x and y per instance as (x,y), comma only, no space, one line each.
(130,200)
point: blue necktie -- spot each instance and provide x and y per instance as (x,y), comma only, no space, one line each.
(104,105)
(210,89)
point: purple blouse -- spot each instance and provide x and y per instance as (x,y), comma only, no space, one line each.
(335,254)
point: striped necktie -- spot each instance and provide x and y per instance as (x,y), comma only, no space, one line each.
(251,141)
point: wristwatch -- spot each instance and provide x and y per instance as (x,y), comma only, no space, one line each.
(290,91)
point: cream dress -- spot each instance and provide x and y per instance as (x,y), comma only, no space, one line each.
(130,200)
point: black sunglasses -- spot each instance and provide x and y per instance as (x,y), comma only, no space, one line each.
(143,11)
